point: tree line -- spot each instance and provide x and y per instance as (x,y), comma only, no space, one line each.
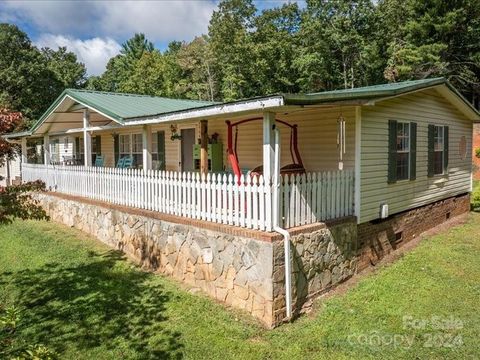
(323,45)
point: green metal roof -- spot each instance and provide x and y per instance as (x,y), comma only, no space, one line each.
(122,107)
(366,92)
(127,106)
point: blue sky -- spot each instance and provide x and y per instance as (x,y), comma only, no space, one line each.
(94,30)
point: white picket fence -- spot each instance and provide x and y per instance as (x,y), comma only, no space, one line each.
(220,198)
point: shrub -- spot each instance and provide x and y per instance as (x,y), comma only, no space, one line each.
(477,152)
(475,197)
(10,347)
(16,202)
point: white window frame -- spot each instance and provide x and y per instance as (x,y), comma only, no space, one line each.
(55,150)
(122,151)
(407,149)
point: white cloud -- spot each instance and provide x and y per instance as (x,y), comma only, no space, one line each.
(161,21)
(94,53)
(105,24)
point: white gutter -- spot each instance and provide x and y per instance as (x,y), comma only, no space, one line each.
(277,228)
(218,110)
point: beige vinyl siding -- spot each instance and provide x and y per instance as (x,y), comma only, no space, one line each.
(172,147)
(317,138)
(426,107)
(107,148)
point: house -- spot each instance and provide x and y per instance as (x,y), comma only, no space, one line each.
(10,172)
(263,203)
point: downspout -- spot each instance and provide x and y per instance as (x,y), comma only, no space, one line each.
(276,225)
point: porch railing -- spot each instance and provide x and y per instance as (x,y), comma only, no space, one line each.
(220,198)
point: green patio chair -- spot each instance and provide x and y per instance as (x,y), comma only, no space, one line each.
(128,162)
(99,160)
(120,163)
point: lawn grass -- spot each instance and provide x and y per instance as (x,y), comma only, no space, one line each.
(85,301)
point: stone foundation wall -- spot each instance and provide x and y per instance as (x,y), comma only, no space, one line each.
(322,258)
(246,269)
(232,269)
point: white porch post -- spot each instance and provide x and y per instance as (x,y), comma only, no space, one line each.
(268,163)
(268,145)
(46,149)
(87,139)
(203,146)
(147,147)
(24,150)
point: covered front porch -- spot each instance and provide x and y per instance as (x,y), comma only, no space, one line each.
(194,165)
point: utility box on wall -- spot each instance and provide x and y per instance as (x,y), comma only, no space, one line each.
(215,157)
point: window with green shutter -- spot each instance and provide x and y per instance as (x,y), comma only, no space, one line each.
(437,150)
(402,154)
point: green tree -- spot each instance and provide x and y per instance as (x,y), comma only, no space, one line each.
(146,76)
(31,79)
(197,79)
(338,47)
(121,67)
(27,85)
(276,45)
(64,65)
(433,38)
(232,48)
(134,48)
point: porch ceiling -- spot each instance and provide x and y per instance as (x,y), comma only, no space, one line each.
(69,115)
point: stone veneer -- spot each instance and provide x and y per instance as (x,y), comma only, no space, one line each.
(322,258)
(233,269)
(244,268)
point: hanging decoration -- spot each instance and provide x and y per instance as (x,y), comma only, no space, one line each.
(341,142)
(175,135)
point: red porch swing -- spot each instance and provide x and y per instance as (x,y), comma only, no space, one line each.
(296,167)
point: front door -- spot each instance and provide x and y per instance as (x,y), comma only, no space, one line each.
(188,140)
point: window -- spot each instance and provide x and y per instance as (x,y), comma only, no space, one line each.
(403,150)
(438,147)
(137,149)
(55,151)
(35,151)
(131,145)
(124,145)
(96,147)
(437,150)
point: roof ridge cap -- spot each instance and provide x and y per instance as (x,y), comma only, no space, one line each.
(132,95)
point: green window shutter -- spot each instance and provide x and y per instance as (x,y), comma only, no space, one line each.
(77,148)
(413,151)
(392,151)
(431,149)
(445,149)
(98,140)
(116,148)
(161,149)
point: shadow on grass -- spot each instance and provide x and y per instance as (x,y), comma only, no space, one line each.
(95,304)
